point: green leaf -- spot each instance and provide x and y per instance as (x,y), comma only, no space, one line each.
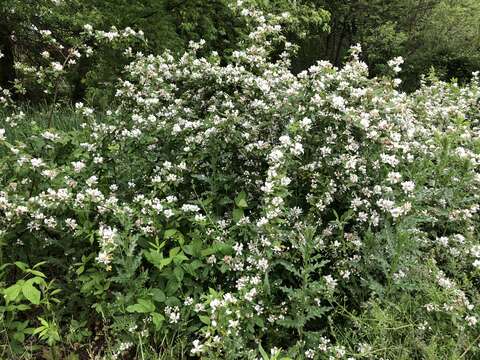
(157,319)
(39,264)
(174,251)
(237,214)
(172,286)
(142,306)
(21,265)
(36,273)
(158,295)
(157,259)
(263,352)
(194,248)
(165,262)
(204,319)
(30,292)
(11,293)
(241,200)
(179,273)
(169,233)
(179,258)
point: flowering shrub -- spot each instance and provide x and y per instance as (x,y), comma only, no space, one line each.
(238,211)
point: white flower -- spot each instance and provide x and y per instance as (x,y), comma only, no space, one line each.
(107,234)
(168,213)
(394,177)
(78,166)
(173,314)
(250,295)
(385,204)
(475,251)
(88,28)
(92,180)
(2,134)
(36,162)
(197,347)
(262,222)
(104,257)
(443,240)
(408,186)
(71,223)
(50,136)
(330,281)
(396,212)
(276,155)
(233,323)
(190,208)
(338,102)
(471,320)
(395,64)
(200,217)
(297,149)
(45,33)
(306,123)
(56,66)
(188,301)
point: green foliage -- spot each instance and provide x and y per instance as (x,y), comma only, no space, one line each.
(439,33)
(223,207)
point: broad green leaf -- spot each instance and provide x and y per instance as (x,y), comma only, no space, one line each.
(169,233)
(179,273)
(241,200)
(30,292)
(204,319)
(11,293)
(237,214)
(21,265)
(142,306)
(158,295)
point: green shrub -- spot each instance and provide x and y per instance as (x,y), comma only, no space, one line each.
(236,211)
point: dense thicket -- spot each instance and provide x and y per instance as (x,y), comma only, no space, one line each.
(225,207)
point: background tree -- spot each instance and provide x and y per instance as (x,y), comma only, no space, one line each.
(439,33)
